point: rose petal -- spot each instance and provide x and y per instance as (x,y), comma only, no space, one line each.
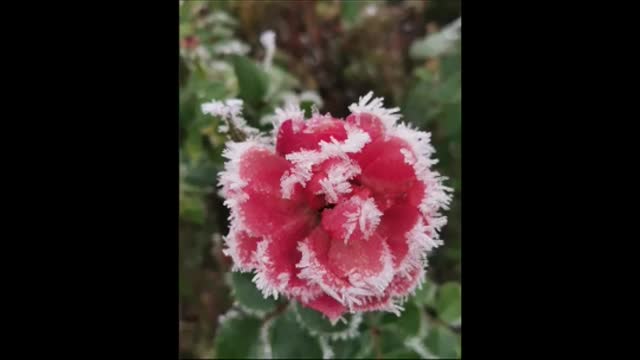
(332,178)
(264,211)
(389,172)
(241,248)
(395,223)
(314,266)
(328,306)
(406,285)
(367,122)
(277,256)
(355,218)
(366,264)
(295,135)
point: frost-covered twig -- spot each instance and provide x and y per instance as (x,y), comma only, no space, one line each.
(231,112)
(268,40)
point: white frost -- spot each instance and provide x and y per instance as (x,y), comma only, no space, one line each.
(268,41)
(304,160)
(327,351)
(367,217)
(231,47)
(336,182)
(375,107)
(231,112)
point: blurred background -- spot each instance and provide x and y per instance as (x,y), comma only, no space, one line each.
(326,54)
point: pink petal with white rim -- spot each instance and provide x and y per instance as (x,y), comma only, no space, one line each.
(396,222)
(328,306)
(347,271)
(264,211)
(305,161)
(369,123)
(296,135)
(277,256)
(355,218)
(241,247)
(332,179)
(388,173)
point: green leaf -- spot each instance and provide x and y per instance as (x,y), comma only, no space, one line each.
(419,107)
(350,10)
(366,348)
(279,81)
(251,79)
(449,90)
(450,65)
(443,342)
(213,91)
(238,338)
(392,345)
(452,120)
(316,322)
(448,303)
(402,354)
(434,45)
(202,175)
(248,295)
(390,341)
(192,209)
(427,294)
(408,324)
(307,107)
(359,347)
(289,340)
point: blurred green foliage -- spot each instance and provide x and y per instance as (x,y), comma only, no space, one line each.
(340,50)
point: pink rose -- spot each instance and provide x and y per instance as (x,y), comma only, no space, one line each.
(337,214)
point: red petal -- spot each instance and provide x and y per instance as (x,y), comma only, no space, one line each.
(320,175)
(389,173)
(369,153)
(356,218)
(328,306)
(295,135)
(367,122)
(264,212)
(367,264)
(278,255)
(383,303)
(416,194)
(395,224)
(405,285)
(317,270)
(347,270)
(240,247)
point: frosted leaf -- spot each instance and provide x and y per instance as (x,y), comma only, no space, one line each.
(327,351)
(231,112)
(231,47)
(229,315)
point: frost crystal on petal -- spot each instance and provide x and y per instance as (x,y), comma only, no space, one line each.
(337,180)
(304,160)
(389,117)
(289,112)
